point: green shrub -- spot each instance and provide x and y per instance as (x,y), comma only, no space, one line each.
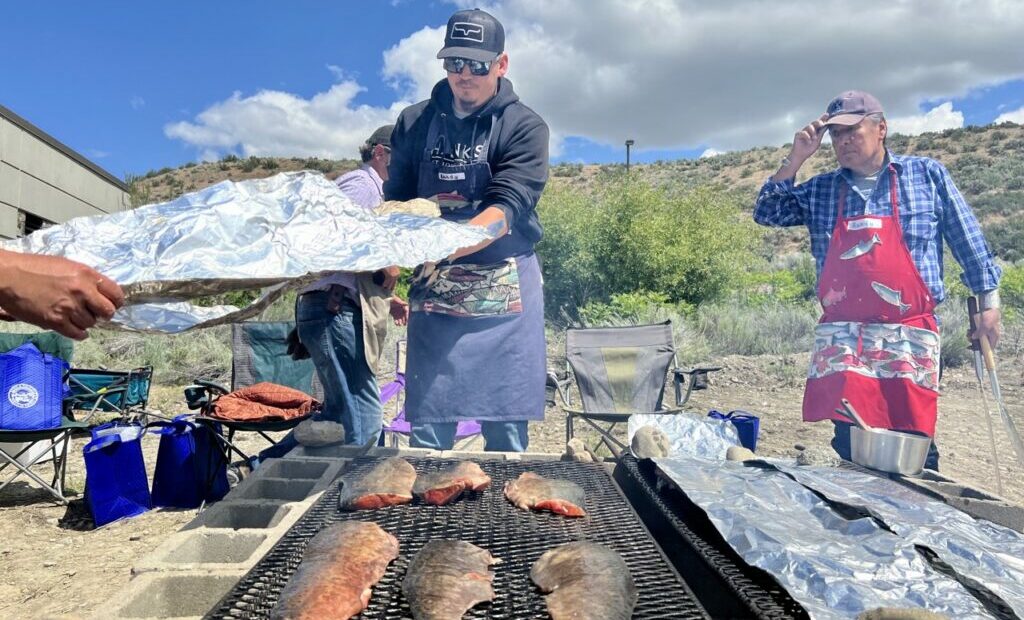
(315,163)
(1006,238)
(1011,289)
(250,163)
(626,236)
(630,308)
(567,170)
(229,158)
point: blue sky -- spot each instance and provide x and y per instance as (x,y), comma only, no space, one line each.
(139,86)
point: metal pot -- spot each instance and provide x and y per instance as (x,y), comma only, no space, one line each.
(889,451)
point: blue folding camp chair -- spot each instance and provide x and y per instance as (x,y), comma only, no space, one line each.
(125,393)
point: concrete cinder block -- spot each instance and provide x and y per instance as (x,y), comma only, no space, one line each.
(474,454)
(298,469)
(208,549)
(540,456)
(170,595)
(239,515)
(289,480)
(283,489)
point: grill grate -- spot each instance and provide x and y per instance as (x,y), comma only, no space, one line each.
(724,583)
(487,520)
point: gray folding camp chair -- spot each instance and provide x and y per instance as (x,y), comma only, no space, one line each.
(620,371)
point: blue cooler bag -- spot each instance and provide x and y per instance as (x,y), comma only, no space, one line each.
(190,468)
(115,474)
(747,425)
(33,389)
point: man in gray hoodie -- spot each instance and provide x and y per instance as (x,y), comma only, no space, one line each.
(476,332)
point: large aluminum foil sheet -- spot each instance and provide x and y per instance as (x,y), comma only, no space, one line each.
(832,566)
(689,434)
(240,235)
(980,550)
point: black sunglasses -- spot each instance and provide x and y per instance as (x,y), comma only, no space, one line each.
(476,67)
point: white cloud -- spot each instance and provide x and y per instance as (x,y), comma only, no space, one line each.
(137,102)
(1016,116)
(938,118)
(667,73)
(709,152)
(278,123)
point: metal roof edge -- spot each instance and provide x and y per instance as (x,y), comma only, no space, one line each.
(63,148)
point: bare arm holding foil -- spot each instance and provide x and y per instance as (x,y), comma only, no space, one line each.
(56,293)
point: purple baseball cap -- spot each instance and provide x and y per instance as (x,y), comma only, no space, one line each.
(850,108)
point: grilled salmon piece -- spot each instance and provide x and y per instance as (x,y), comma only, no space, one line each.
(387,484)
(340,565)
(447,578)
(539,493)
(585,581)
(443,487)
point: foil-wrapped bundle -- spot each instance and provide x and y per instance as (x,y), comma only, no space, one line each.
(280,232)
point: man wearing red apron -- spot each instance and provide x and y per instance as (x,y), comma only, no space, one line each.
(877,229)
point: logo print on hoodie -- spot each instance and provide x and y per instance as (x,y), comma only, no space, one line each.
(463,154)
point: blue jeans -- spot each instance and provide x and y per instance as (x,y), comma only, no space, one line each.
(498,436)
(335,344)
(841,444)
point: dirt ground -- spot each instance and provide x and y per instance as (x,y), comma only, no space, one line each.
(51,570)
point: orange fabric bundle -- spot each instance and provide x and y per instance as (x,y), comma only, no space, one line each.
(264,402)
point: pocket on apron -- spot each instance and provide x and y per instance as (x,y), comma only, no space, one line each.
(468,290)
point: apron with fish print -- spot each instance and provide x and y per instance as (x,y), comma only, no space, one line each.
(476,329)
(877,343)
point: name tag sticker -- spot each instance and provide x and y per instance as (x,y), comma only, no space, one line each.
(868,222)
(451,176)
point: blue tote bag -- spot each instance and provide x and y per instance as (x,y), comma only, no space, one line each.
(33,389)
(116,486)
(747,425)
(190,468)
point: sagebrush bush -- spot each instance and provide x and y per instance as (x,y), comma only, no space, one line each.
(773,328)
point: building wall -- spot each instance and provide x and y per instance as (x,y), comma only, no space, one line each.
(42,177)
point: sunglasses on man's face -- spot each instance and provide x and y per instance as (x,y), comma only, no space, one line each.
(476,67)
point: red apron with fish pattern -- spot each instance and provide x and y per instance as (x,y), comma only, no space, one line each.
(877,343)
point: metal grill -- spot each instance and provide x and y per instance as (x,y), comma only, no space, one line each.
(487,520)
(724,583)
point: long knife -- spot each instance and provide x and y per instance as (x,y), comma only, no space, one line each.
(1011,427)
(979,372)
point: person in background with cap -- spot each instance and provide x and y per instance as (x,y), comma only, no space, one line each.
(877,226)
(476,333)
(341,320)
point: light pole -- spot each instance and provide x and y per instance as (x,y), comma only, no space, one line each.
(629,143)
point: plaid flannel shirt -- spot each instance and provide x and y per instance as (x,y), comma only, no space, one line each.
(931,210)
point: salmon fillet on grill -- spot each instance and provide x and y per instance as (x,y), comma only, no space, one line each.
(340,565)
(387,484)
(539,493)
(585,581)
(447,578)
(443,487)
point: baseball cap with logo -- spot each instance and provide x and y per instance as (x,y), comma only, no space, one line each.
(473,34)
(382,135)
(851,107)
